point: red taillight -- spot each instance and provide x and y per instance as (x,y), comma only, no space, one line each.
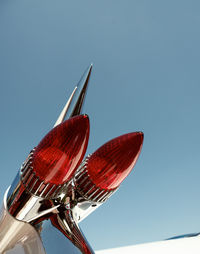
(106,168)
(53,162)
(111,163)
(61,151)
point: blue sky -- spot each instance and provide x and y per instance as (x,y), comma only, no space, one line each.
(145,78)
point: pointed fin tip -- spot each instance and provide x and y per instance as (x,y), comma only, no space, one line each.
(87,72)
(89,68)
(63,113)
(81,92)
(65,109)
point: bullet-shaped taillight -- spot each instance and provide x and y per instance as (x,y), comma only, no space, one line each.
(104,170)
(53,162)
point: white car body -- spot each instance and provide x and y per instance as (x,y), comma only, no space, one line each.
(189,245)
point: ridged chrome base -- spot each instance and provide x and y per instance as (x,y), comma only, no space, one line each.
(87,188)
(35,185)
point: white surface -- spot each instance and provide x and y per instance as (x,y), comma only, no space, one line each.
(189,245)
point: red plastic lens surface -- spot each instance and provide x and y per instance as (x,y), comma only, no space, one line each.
(61,151)
(112,162)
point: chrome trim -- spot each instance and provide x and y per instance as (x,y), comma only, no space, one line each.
(17,236)
(75,103)
(65,223)
(25,206)
(65,109)
(55,241)
(34,184)
(29,199)
(87,189)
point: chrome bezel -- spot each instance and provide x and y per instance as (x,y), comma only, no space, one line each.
(87,189)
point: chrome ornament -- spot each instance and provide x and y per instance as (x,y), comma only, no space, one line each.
(29,201)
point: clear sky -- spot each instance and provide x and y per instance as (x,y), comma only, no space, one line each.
(146,77)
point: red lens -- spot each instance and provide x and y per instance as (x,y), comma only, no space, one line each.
(112,162)
(61,151)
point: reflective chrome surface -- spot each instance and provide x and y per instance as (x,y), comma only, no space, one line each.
(34,184)
(17,236)
(35,210)
(25,206)
(66,224)
(74,105)
(64,207)
(87,188)
(55,242)
(32,205)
